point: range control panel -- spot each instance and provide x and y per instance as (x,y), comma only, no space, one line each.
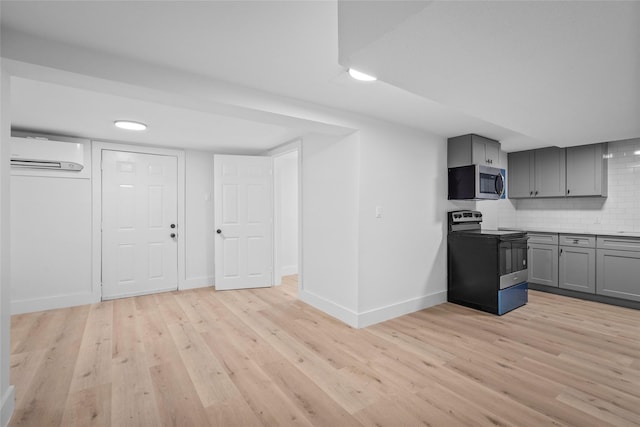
(464,216)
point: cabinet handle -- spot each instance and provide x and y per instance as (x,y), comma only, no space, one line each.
(536,192)
(531,193)
(560,251)
(568,191)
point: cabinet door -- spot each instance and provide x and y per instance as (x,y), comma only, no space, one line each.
(618,273)
(485,151)
(577,269)
(550,172)
(519,175)
(543,264)
(492,153)
(585,168)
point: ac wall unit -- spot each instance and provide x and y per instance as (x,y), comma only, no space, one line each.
(40,153)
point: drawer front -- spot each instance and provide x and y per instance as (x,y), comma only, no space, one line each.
(512,298)
(578,240)
(544,238)
(619,243)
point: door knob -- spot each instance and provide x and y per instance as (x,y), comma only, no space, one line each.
(218,231)
(173,235)
(173,226)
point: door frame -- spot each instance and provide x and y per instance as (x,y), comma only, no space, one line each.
(96,205)
(282,150)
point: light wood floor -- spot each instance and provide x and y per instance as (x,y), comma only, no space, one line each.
(260,357)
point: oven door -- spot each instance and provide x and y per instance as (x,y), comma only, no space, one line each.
(512,260)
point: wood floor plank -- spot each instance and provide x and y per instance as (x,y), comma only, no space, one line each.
(317,406)
(25,366)
(261,357)
(46,396)
(89,407)
(206,373)
(233,412)
(133,401)
(93,367)
(351,391)
(176,398)
(269,404)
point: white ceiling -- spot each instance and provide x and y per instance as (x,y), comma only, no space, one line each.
(562,72)
(57,109)
(291,49)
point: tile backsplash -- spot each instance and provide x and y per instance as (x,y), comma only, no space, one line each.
(620,211)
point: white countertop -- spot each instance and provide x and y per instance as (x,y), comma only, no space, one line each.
(566,231)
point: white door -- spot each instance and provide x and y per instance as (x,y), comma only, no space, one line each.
(139,224)
(243,218)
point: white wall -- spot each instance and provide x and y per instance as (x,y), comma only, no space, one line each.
(331,181)
(50,243)
(51,237)
(330,169)
(402,253)
(199,227)
(285,169)
(620,211)
(7,392)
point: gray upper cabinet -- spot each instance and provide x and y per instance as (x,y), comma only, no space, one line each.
(520,175)
(472,149)
(587,170)
(550,172)
(537,173)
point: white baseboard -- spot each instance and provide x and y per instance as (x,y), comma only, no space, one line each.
(196,282)
(288,270)
(8,405)
(377,315)
(332,309)
(389,312)
(50,303)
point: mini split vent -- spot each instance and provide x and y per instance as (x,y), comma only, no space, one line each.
(36,153)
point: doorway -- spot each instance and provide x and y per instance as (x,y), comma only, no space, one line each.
(286,215)
(139,223)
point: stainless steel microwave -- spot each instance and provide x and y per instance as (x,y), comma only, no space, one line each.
(475,182)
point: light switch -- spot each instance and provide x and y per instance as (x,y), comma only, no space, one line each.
(378,211)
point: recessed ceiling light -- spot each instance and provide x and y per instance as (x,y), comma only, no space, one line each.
(361,76)
(637,152)
(129,125)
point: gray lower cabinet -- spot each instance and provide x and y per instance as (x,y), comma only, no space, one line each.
(543,264)
(577,269)
(543,258)
(618,267)
(577,262)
